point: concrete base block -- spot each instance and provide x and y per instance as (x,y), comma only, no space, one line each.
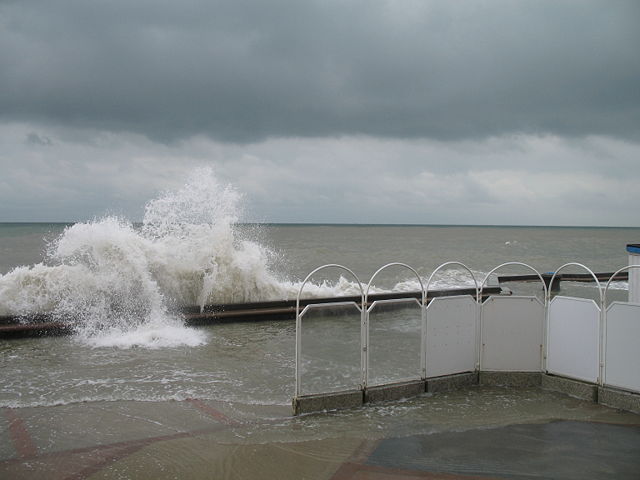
(610,397)
(619,399)
(327,401)
(394,391)
(510,379)
(448,383)
(573,388)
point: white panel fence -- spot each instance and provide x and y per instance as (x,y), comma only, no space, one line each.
(571,337)
(574,338)
(512,334)
(452,326)
(622,352)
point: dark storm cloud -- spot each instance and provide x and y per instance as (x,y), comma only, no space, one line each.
(246,70)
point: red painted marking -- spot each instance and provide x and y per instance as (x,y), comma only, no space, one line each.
(212,412)
(116,446)
(20,435)
(101,457)
(93,459)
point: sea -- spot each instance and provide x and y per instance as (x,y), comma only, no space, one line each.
(121,285)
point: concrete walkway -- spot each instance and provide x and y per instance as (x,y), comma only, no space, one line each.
(482,432)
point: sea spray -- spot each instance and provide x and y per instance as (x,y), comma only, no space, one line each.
(112,280)
(122,284)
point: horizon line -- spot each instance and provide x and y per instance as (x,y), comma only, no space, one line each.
(346,224)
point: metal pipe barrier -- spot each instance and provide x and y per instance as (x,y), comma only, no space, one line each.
(507,318)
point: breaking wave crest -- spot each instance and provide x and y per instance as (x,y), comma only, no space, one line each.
(121,284)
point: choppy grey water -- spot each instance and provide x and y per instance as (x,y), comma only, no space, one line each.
(248,362)
(364,248)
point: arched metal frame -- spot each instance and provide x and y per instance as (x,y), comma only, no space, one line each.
(606,288)
(365,344)
(513,263)
(545,305)
(477,299)
(299,315)
(574,264)
(600,320)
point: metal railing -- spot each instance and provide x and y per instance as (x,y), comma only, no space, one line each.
(365,309)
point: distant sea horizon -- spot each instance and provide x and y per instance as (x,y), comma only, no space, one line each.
(355,224)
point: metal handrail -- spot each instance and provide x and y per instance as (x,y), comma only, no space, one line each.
(312,306)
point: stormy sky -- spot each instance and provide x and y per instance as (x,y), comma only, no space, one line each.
(475,112)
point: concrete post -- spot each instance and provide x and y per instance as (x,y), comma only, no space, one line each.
(634,273)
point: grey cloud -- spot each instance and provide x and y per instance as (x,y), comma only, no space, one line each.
(244,71)
(547,180)
(37,140)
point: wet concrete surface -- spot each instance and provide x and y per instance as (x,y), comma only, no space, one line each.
(558,449)
(480,432)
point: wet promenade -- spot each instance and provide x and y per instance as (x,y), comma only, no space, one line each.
(480,432)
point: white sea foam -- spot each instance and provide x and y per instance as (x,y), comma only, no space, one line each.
(119,284)
(147,335)
(616,285)
(137,396)
(444,279)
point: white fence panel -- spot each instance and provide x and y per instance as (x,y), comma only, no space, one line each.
(574,333)
(512,334)
(451,335)
(622,366)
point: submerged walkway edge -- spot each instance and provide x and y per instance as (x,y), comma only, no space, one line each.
(45,325)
